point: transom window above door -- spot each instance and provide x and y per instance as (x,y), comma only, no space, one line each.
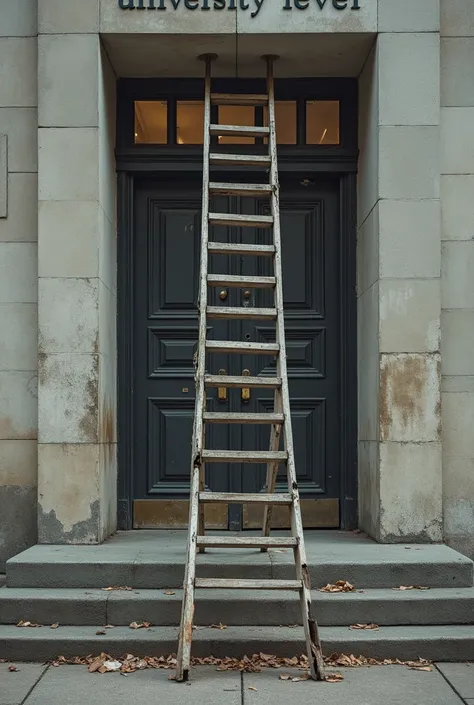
(320,120)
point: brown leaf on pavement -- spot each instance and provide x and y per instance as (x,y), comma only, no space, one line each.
(101,632)
(334,678)
(109,626)
(169,592)
(411,587)
(218,626)
(22,623)
(12,668)
(364,626)
(285,676)
(140,625)
(55,625)
(338,586)
(116,587)
(252,688)
(95,665)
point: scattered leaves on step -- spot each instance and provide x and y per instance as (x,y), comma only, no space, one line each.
(55,625)
(334,678)
(364,626)
(22,623)
(252,688)
(12,668)
(248,664)
(411,587)
(101,632)
(338,586)
(117,587)
(169,592)
(140,625)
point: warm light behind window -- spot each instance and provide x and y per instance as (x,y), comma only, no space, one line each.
(151,122)
(190,121)
(236,115)
(322,122)
(285,121)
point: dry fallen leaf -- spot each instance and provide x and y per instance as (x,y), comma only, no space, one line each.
(285,676)
(169,592)
(334,677)
(12,668)
(364,626)
(411,587)
(140,625)
(101,632)
(252,688)
(95,665)
(218,626)
(338,586)
(297,679)
(55,625)
(109,626)
(22,623)
(420,668)
(117,587)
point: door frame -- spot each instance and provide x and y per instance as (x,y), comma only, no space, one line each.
(135,162)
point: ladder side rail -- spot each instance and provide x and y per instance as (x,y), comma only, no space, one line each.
(196,510)
(313,644)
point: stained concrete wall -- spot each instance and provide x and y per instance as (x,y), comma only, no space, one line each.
(77,278)
(18,276)
(457,320)
(399,300)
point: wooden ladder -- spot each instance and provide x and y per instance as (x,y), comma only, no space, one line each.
(279,419)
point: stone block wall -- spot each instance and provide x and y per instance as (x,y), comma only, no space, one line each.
(399,298)
(457,319)
(18,276)
(77,277)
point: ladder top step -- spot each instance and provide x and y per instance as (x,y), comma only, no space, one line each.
(215,417)
(241,312)
(240,281)
(242,347)
(245,456)
(241,382)
(236,584)
(236,219)
(236,99)
(247,542)
(239,130)
(229,248)
(241,498)
(240,159)
(227,189)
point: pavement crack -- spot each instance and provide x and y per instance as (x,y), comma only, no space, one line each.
(34,685)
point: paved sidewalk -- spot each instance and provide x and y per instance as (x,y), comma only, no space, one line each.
(36,684)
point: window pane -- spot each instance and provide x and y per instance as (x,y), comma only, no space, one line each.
(190,121)
(151,122)
(322,122)
(285,121)
(236,115)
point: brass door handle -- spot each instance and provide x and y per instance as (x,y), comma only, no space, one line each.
(222,391)
(246,390)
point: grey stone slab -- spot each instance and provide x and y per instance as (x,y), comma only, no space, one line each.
(60,686)
(155,559)
(394,685)
(15,686)
(272,608)
(454,643)
(461,677)
(66,606)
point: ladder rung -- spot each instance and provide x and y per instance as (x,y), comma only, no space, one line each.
(229,248)
(215,417)
(244,456)
(242,348)
(235,99)
(247,542)
(256,584)
(244,221)
(242,382)
(241,312)
(222,189)
(239,130)
(241,498)
(240,159)
(238,281)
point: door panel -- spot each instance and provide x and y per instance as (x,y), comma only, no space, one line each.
(166,262)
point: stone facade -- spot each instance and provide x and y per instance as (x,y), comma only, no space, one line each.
(59,61)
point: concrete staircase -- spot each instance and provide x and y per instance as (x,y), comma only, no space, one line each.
(64,584)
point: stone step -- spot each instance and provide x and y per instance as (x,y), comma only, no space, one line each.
(438,606)
(438,643)
(155,560)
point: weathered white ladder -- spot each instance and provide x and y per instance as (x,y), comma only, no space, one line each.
(280,417)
